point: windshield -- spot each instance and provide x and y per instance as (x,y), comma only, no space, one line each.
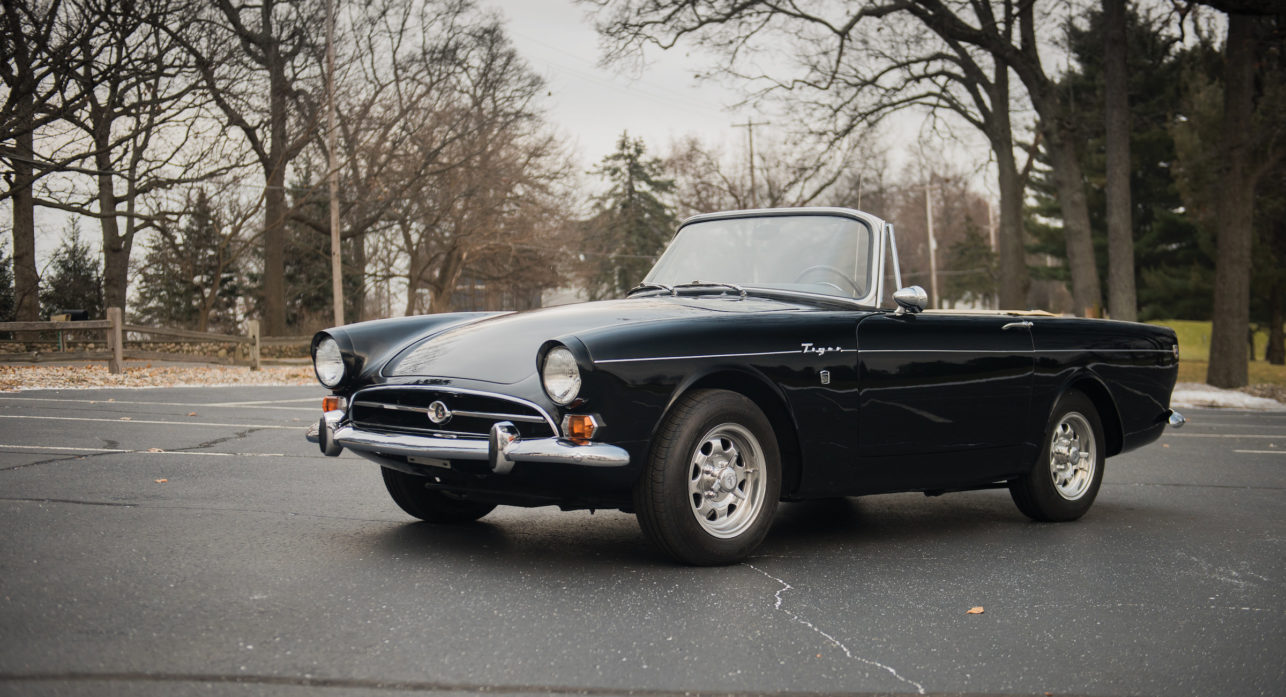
(826,254)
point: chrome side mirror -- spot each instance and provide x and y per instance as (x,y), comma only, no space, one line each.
(911,299)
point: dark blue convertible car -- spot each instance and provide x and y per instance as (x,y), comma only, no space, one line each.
(769,355)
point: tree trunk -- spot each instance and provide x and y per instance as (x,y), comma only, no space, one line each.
(274,209)
(444,286)
(1011,256)
(1276,353)
(1121,298)
(1234,209)
(26,281)
(115,247)
(357,262)
(1087,298)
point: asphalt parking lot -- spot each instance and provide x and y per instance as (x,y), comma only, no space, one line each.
(189,541)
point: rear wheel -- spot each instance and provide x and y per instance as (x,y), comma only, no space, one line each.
(411,495)
(711,485)
(1065,480)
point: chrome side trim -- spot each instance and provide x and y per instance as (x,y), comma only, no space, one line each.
(710,355)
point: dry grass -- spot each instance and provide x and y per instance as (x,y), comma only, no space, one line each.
(15,377)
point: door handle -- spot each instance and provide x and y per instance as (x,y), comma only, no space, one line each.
(1022,324)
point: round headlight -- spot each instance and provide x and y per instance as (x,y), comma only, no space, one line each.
(328,362)
(560,375)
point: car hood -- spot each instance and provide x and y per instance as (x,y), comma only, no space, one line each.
(502,348)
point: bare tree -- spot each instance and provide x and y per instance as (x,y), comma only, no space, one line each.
(141,128)
(256,61)
(1007,37)
(38,43)
(445,147)
(797,172)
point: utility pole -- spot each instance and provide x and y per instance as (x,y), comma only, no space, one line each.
(750,134)
(933,247)
(332,178)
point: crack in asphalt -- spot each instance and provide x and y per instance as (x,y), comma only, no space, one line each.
(919,689)
(416,685)
(72,501)
(53,460)
(217,441)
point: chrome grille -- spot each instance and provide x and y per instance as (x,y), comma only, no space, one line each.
(399,409)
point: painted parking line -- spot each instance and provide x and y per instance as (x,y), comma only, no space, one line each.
(189,405)
(150,451)
(130,420)
(1224,435)
(1262,452)
(308,400)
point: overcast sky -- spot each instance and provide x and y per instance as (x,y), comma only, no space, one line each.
(592,105)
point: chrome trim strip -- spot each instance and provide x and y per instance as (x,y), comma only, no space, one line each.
(383,428)
(712,355)
(1101,349)
(553,427)
(1038,351)
(547,450)
(762,292)
(498,416)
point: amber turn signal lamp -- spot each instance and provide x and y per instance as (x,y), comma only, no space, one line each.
(332,403)
(580,427)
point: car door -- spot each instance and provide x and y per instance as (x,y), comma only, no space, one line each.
(943,399)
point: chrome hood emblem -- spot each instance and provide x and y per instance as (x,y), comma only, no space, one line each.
(439,413)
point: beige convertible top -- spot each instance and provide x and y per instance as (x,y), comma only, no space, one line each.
(1013,313)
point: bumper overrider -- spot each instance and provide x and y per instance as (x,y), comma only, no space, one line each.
(502,449)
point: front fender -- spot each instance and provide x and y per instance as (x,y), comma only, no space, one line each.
(367,346)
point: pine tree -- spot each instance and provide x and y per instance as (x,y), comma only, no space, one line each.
(1173,256)
(973,276)
(632,225)
(190,277)
(73,280)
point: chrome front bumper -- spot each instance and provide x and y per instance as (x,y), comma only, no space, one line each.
(502,449)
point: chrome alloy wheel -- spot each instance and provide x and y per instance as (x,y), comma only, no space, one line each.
(1072,456)
(725,480)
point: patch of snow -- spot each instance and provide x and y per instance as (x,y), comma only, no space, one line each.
(1195,394)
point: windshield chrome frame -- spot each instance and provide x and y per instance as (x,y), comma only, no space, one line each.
(881,231)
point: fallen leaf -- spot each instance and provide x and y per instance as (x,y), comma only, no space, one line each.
(976,610)
(1165,445)
(113,399)
(126,418)
(193,413)
(155,450)
(161,481)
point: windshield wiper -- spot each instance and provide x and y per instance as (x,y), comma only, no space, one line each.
(646,285)
(715,284)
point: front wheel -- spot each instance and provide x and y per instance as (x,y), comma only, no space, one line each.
(1065,480)
(711,485)
(411,495)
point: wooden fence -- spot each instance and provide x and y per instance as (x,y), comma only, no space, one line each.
(117,350)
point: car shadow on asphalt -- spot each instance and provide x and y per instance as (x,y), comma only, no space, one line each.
(518,538)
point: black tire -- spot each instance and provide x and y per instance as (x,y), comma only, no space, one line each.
(1066,476)
(711,485)
(409,493)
